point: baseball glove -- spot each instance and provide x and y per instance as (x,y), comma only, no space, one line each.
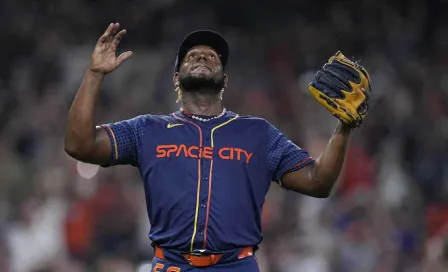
(342,87)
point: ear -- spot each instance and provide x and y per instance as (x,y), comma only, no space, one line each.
(226,80)
(176,79)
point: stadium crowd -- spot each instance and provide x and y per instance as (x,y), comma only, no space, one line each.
(389,211)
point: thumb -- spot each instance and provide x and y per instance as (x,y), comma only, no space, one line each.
(124,56)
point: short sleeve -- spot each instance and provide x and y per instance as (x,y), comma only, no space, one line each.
(283,155)
(125,138)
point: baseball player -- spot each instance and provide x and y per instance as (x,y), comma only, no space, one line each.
(205,169)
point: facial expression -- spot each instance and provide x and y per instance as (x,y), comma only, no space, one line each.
(201,61)
(201,68)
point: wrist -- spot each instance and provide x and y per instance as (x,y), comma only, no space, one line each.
(343,128)
(95,74)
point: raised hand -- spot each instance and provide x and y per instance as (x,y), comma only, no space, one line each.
(104,58)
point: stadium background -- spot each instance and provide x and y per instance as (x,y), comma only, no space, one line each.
(389,211)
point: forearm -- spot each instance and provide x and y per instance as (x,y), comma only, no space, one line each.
(80,130)
(329,164)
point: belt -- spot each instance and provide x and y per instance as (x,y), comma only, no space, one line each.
(202,259)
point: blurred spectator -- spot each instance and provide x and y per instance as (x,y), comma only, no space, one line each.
(389,209)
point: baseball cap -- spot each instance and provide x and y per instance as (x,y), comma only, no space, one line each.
(203,37)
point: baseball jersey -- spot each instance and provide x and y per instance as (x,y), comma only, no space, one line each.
(205,182)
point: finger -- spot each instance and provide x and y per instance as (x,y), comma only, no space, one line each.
(363,90)
(119,37)
(365,93)
(106,34)
(124,56)
(114,31)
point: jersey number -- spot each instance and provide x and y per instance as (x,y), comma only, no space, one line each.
(159,268)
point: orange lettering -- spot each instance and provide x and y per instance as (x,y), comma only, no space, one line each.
(248,156)
(208,152)
(157,267)
(190,152)
(184,148)
(162,153)
(221,155)
(173,269)
(238,152)
(171,150)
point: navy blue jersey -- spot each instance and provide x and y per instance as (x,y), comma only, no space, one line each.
(205,182)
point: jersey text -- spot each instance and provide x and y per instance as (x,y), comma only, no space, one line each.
(206,152)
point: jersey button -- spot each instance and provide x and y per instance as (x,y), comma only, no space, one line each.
(203,205)
(205,178)
(200,233)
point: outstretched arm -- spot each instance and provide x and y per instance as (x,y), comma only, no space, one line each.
(317,179)
(84,141)
(341,86)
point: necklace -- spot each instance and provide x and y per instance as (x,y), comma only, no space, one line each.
(204,119)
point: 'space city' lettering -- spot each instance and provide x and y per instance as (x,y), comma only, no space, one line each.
(206,152)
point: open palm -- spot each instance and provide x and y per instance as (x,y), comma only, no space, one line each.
(104,58)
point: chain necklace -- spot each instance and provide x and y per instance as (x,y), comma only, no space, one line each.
(204,119)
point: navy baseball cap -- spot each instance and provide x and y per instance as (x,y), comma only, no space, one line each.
(203,37)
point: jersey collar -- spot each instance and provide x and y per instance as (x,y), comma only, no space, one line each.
(227,115)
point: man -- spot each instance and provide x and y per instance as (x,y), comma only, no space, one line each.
(206,170)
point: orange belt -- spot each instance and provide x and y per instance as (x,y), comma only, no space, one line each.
(205,260)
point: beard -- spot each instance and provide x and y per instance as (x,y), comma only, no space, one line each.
(192,83)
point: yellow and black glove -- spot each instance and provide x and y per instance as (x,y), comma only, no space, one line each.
(342,87)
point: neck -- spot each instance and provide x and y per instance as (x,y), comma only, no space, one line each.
(202,103)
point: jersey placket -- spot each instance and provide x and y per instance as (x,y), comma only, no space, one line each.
(203,195)
(205,191)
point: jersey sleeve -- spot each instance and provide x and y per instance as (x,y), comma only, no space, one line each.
(125,140)
(283,155)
